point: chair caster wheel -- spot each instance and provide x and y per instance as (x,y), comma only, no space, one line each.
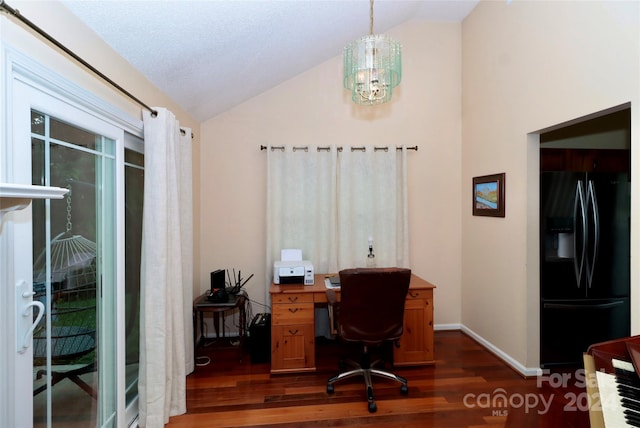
(330,389)
(404,390)
(372,407)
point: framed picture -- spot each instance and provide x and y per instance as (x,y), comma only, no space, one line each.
(488,195)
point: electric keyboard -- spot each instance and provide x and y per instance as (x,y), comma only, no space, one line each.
(613,384)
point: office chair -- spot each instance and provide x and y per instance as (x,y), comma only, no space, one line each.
(371,312)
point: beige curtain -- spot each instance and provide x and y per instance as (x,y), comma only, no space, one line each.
(372,204)
(301,205)
(328,202)
(166,336)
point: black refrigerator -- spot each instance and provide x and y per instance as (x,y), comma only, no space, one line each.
(584,262)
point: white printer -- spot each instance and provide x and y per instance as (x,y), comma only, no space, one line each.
(291,269)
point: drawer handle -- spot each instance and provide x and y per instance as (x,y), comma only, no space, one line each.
(413,295)
(293,332)
(293,299)
(293,310)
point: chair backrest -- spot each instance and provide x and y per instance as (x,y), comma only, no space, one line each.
(372,304)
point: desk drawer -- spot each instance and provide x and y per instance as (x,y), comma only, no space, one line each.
(292,298)
(292,314)
(419,294)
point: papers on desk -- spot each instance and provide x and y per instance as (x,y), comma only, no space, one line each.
(332,282)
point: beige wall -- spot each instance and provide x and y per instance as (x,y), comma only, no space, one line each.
(313,108)
(528,65)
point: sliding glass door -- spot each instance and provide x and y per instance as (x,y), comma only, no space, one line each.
(77,257)
(74,272)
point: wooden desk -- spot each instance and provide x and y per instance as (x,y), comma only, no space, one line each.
(293,325)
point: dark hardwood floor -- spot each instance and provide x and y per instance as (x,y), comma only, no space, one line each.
(467,387)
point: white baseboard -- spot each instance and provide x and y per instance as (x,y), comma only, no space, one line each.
(442,327)
(524,371)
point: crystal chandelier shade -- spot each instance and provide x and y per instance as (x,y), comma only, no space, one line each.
(372,67)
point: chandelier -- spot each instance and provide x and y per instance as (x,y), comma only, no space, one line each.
(372,66)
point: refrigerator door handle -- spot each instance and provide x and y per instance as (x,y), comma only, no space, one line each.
(581,306)
(579,211)
(592,203)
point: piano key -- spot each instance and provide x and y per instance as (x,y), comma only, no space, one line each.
(627,381)
(611,403)
(629,391)
(630,378)
(631,404)
(632,419)
(623,365)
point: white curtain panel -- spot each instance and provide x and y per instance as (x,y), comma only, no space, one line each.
(329,202)
(166,330)
(372,203)
(301,205)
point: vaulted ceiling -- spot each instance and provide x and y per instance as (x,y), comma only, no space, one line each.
(211,55)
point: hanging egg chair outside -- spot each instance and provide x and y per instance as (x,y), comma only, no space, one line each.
(72,263)
(72,335)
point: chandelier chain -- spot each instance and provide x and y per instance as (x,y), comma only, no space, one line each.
(69,209)
(371,17)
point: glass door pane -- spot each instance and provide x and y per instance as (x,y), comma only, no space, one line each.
(134,192)
(74,275)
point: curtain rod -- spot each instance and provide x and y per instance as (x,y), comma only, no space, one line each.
(4,6)
(306,148)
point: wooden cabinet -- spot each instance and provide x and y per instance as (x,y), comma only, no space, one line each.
(585,160)
(416,343)
(292,333)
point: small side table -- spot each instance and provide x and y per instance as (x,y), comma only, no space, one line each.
(201,305)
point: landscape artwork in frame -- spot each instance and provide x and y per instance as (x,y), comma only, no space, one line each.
(488,195)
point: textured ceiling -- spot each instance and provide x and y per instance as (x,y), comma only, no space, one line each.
(211,55)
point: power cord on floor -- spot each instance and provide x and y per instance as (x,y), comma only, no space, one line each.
(203,361)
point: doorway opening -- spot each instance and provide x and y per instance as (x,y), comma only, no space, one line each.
(585,224)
